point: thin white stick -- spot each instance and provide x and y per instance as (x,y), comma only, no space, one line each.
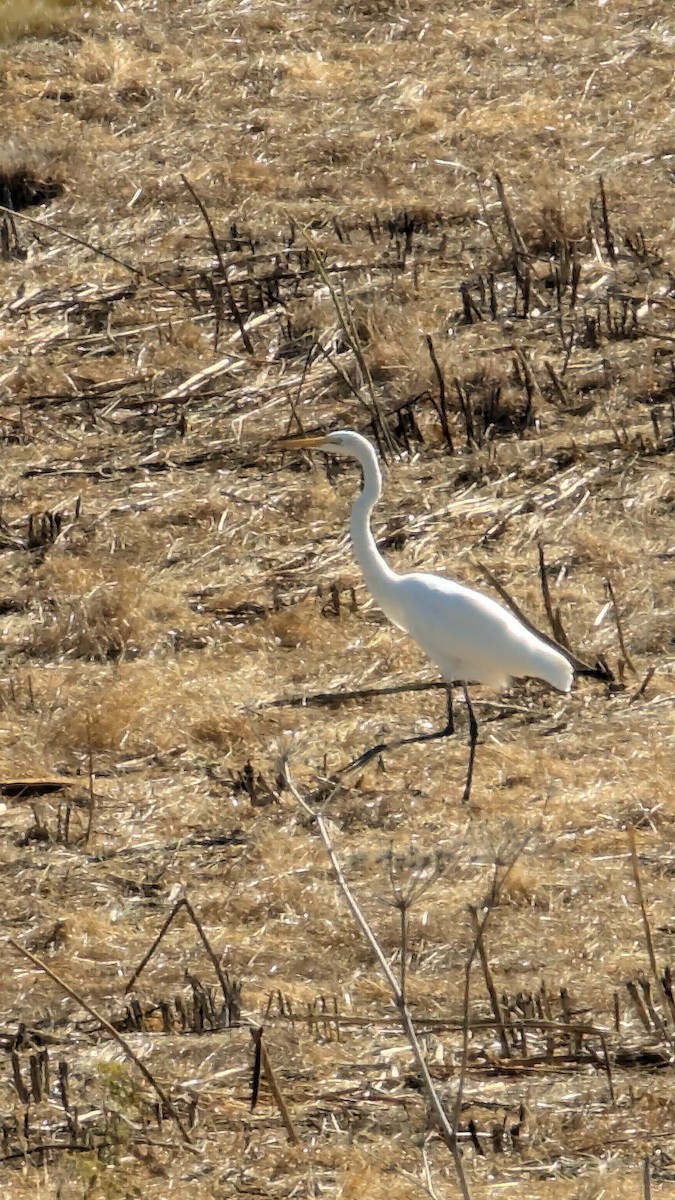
(448,1133)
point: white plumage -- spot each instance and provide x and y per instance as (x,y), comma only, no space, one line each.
(469,636)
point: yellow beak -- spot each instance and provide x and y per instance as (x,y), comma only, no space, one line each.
(302,443)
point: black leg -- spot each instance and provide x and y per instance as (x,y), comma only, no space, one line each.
(447,731)
(473,738)
(362,759)
(450,727)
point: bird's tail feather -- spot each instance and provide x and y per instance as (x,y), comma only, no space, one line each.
(554,668)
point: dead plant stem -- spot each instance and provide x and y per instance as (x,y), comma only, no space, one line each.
(110,1030)
(630,834)
(619,628)
(447,1131)
(489,982)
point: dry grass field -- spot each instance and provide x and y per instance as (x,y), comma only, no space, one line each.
(450,226)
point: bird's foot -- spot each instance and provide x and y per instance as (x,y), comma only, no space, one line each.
(333,782)
(366,757)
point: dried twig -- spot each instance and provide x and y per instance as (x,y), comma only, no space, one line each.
(640,691)
(344,315)
(553,617)
(608,1067)
(631,988)
(489,983)
(342,374)
(78,241)
(647,1178)
(630,834)
(256,1034)
(426,872)
(517,244)
(619,629)
(110,1030)
(139,273)
(467,412)
(497,884)
(447,1130)
(223,979)
(661,980)
(558,385)
(245,336)
(334,699)
(488,221)
(442,406)
(609,240)
(231,999)
(428,1182)
(92,797)
(262,1061)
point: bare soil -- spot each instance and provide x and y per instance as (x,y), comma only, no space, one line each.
(450,226)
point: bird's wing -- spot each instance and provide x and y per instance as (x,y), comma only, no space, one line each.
(468,635)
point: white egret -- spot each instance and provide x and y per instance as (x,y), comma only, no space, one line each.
(469,636)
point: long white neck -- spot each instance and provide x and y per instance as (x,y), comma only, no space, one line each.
(378,576)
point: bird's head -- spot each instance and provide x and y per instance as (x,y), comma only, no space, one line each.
(342,441)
